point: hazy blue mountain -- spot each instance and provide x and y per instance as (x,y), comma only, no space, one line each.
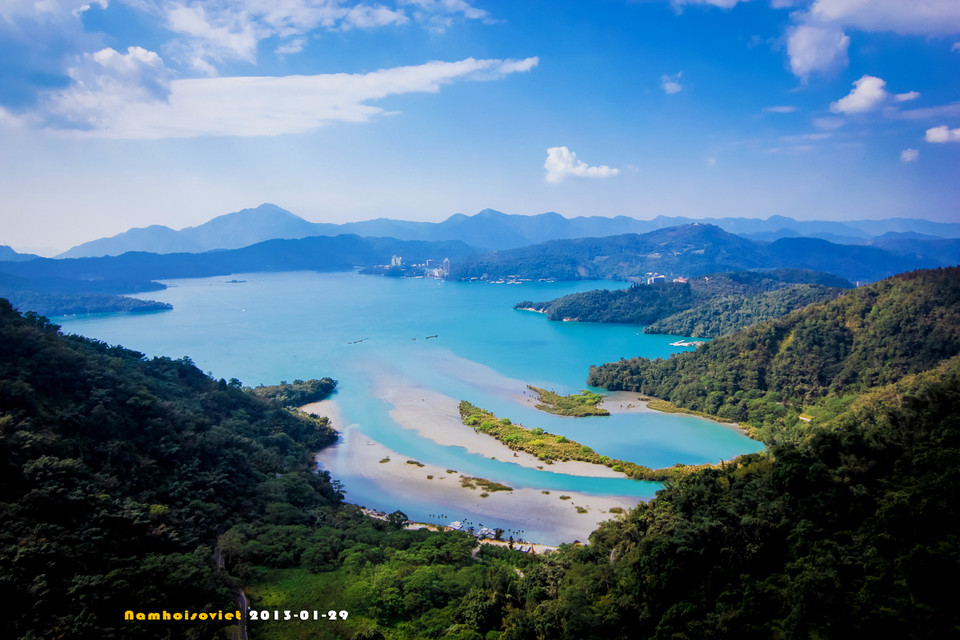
(856,263)
(488,228)
(229,231)
(689,250)
(7,254)
(920,246)
(318,253)
(249,226)
(155,238)
(907,225)
(771,236)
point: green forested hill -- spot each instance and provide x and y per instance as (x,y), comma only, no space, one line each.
(729,314)
(844,529)
(710,306)
(849,534)
(121,476)
(815,359)
(116,475)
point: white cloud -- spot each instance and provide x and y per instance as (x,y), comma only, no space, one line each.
(869,94)
(818,41)
(942,134)
(780,109)
(950,110)
(294,46)
(905,17)
(816,48)
(671,84)
(909,155)
(244,106)
(104,82)
(723,4)
(219,30)
(807,137)
(955,47)
(828,124)
(47,10)
(219,35)
(367,17)
(439,15)
(561,162)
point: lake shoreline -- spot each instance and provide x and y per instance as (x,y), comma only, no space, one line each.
(541,510)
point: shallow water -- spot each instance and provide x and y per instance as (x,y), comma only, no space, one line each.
(370,331)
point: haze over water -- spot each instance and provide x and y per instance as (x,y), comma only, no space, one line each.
(371,333)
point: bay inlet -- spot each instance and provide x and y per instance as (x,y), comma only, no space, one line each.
(399,386)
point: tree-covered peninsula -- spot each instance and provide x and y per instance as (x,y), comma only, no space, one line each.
(551,447)
(708,306)
(59,296)
(576,405)
(810,364)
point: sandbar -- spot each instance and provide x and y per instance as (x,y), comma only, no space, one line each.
(625,402)
(539,511)
(437,417)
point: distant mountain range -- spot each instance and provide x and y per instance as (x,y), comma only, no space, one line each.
(319,253)
(491,229)
(7,254)
(690,250)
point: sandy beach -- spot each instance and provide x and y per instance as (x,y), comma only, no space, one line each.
(436,416)
(625,402)
(542,510)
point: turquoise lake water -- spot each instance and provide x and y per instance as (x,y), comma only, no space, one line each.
(283,326)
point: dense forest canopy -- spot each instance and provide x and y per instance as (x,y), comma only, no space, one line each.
(57,296)
(708,306)
(815,359)
(120,477)
(117,473)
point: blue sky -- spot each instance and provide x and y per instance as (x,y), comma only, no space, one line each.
(123,113)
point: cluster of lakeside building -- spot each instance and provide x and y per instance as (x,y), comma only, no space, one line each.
(430,268)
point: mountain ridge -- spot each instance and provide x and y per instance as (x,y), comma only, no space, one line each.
(488,228)
(691,250)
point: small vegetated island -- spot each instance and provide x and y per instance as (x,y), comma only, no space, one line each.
(579,405)
(552,448)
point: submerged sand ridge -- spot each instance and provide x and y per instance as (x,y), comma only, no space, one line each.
(540,510)
(437,417)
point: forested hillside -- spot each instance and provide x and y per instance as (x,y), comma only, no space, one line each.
(709,306)
(729,314)
(849,534)
(120,475)
(117,474)
(121,478)
(814,360)
(846,532)
(64,296)
(689,250)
